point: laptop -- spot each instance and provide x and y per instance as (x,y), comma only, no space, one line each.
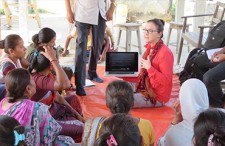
(121,64)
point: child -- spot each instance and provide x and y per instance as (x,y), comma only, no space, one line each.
(73,34)
(119,130)
(11,132)
(209,128)
(108,38)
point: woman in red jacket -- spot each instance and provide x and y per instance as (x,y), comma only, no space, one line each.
(155,78)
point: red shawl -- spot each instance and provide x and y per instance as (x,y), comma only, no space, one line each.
(143,85)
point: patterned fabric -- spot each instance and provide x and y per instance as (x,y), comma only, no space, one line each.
(6,64)
(60,112)
(41,128)
(144,86)
(65,117)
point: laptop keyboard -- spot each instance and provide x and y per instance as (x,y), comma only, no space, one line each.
(120,72)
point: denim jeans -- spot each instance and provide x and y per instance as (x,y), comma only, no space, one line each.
(98,32)
(212,78)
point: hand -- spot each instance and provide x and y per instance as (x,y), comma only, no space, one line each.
(218,58)
(178,117)
(146,63)
(78,116)
(49,53)
(214,55)
(70,17)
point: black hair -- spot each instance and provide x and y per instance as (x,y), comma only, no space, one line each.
(38,61)
(159,23)
(7,126)
(68,71)
(123,128)
(45,35)
(16,82)
(119,97)
(10,42)
(211,121)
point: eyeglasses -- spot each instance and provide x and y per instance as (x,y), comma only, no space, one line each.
(149,31)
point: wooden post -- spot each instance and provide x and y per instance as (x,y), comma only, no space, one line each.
(180,5)
(23,20)
(200,6)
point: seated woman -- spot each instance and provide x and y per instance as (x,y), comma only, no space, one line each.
(209,128)
(193,100)
(43,62)
(12,133)
(155,78)
(119,130)
(214,74)
(120,99)
(14,50)
(41,128)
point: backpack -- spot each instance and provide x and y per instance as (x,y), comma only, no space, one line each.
(216,36)
(191,70)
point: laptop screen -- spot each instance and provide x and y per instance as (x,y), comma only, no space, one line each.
(122,61)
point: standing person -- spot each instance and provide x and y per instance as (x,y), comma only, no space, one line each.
(88,14)
(155,78)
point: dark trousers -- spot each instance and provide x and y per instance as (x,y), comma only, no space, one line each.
(212,78)
(98,32)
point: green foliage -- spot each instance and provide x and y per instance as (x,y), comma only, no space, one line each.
(40,11)
(173,10)
(2,12)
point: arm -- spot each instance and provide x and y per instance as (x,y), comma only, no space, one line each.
(62,100)
(109,33)
(109,13)
(24,63)
(62,82)
(69,13)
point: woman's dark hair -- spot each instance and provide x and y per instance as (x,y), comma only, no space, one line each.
(159,23)
(45,35)
(119,97)
(38,62)
(123,128)
(9,42)
(7,126)
(210,122)
(16,82)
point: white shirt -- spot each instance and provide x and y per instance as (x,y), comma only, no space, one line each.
(87,11)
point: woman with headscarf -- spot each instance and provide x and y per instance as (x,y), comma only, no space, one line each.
(193,100)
